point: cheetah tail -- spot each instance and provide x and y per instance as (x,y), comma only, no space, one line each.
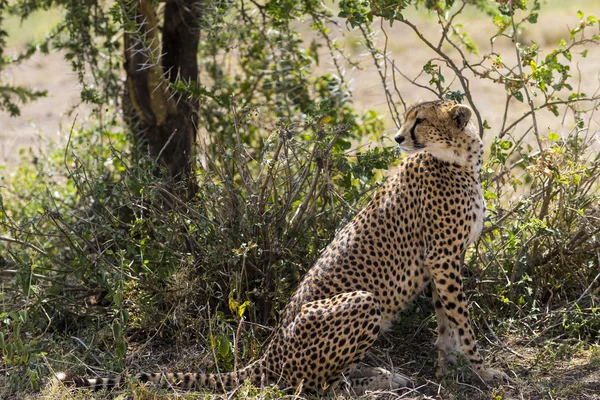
(256,372)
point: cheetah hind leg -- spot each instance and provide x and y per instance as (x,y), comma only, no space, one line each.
(363,378)
(325,339)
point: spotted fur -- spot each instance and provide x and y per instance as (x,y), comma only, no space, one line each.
(411,234)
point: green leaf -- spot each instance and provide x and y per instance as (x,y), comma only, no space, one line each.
(488,195)
(518,96)
(118,298)
(553,136)
(343,144)
(224,346)
(533,18)
(19,345)
(121,348)
(580,14)
(117,330)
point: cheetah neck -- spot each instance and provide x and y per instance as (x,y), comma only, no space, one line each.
(467,153)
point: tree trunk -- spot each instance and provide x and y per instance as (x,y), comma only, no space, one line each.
(163,123)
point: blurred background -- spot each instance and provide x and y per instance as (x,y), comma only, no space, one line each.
(50,118)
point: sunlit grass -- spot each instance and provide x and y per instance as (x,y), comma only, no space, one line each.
(35,28)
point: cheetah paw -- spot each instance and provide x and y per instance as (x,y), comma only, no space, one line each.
(493,376)
(399,381)
(382,380)
(445,362)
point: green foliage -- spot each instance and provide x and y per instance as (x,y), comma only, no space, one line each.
(9,93)
(110,231)
(542,253)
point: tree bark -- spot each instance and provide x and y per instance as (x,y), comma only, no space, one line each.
(163,123)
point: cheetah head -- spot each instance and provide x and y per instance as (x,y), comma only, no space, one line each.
(442,128)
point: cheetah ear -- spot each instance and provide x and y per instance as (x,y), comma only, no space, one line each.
(461,115)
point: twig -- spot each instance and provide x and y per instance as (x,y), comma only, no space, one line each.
(450,63)
(503,132)
(36,249)
(46,278)
(165,146)
(269,176)
(367,33)
(522,78)
(590,286)
(505,347)
(68,143)
(87,349)
(412,81)
(241,164)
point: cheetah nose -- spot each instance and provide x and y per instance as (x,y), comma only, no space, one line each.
(399,139)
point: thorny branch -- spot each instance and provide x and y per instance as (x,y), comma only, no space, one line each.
(524,84)
(464,82)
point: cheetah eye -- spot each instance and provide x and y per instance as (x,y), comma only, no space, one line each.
(419,120)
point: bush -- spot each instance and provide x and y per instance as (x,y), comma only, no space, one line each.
(109,234)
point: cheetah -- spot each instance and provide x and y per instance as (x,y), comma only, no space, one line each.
(411,234)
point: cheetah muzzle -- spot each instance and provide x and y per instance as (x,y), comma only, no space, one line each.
(412,233)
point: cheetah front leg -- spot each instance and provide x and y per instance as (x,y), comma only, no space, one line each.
(447,340)
(448,287)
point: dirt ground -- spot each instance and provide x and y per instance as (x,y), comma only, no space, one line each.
(46,119)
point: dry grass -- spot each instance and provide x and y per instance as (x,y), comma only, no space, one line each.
(538,370)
